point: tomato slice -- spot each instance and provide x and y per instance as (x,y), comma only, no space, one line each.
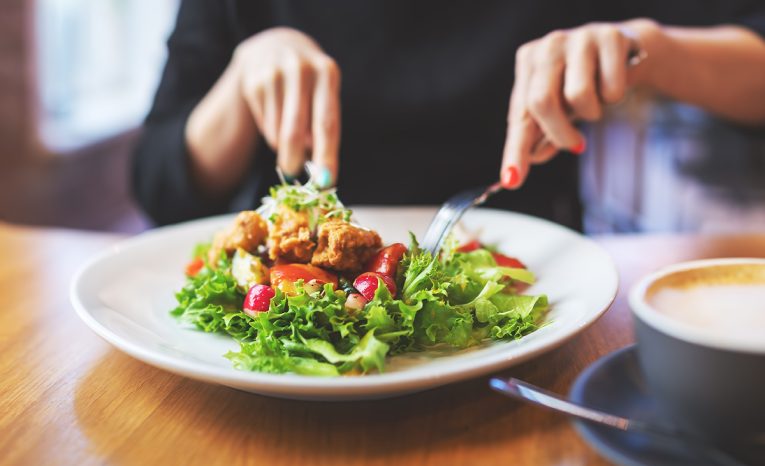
(501,259)
(285,275)
(507,261)
(193,267)
(386,260)
(470,246)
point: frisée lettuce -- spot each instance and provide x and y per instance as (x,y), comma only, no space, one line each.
(459,299)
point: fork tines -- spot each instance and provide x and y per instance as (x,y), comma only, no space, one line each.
(450,213)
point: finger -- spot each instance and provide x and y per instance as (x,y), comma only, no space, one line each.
(613,48)
(523,136)
(543,152)
(295,115)
(515,156)
(272,114)
(256,102)
(544,97)
(579,83)
(325,120)
(546,107)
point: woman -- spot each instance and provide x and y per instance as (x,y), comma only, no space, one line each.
(423,99)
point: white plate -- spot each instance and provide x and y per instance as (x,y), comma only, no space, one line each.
(125,293)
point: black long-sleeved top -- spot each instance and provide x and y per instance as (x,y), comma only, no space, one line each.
(425,90)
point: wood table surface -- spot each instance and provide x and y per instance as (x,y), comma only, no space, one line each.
(67,397)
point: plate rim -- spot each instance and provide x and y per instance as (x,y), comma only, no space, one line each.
(293,384)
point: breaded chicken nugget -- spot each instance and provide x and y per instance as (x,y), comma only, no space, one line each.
(344,247)
(248,231)
(290,237)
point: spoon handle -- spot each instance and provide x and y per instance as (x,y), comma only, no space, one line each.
(527,392)
(530,393)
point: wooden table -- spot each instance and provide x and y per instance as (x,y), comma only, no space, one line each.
(67,397)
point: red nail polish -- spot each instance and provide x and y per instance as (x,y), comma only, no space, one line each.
(510,178)
(579,148)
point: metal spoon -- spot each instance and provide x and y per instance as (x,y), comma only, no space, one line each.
(527,392)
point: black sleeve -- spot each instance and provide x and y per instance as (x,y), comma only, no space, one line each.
(746,13)
(752,16)
(199,49)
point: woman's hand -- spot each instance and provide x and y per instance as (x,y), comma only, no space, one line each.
(292,89)
(564,76)
(279,85)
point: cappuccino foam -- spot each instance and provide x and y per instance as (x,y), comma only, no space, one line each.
(728,299)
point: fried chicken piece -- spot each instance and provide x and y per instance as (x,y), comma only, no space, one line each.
(290,237)
(248,231)
(344,247)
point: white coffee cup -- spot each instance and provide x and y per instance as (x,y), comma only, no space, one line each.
(700,328)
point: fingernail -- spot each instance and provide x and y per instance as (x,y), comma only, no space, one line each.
(510,178)
(579,148)
(324,177)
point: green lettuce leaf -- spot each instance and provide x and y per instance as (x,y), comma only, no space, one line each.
(211,302)
(368,354)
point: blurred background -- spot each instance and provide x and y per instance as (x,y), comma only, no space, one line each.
(78,76)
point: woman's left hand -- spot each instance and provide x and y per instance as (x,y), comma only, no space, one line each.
(564,76)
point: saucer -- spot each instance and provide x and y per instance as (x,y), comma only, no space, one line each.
(614,384)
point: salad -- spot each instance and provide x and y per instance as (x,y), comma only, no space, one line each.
(305,290)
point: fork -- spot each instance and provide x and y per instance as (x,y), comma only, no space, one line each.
(450,213)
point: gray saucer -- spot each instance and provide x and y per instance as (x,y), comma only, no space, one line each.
(614,384)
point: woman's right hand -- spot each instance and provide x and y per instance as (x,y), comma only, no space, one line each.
(292,89)
(279,85)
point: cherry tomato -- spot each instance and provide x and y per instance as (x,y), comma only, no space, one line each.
(367,282)
(285,275)
(507,261)
(387,259)
(258,299)
(193,267)
(470,246)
